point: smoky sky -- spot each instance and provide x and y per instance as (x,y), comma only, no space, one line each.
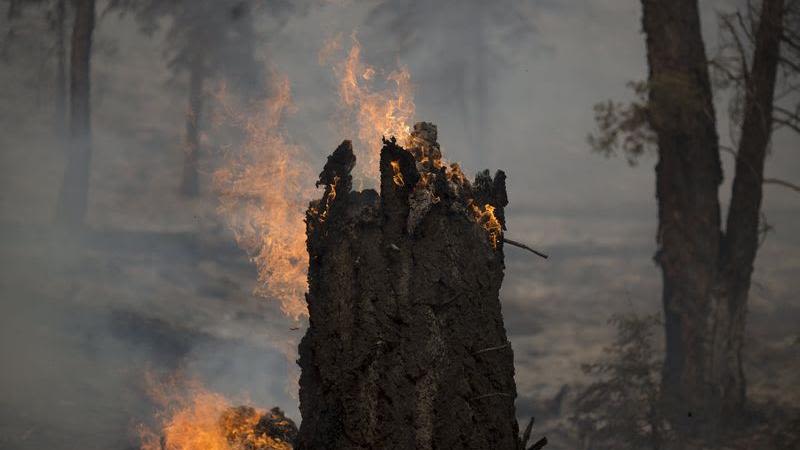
(158,283)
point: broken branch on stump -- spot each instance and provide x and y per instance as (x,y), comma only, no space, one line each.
(489,349)
(523,246)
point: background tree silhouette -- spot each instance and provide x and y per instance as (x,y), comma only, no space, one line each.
(706,269)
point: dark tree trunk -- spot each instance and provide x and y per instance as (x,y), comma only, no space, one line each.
(72,202)
(706,275)
(191,155)
(14,9)
(61,70)
(688,175)
(406,346)
(739,246)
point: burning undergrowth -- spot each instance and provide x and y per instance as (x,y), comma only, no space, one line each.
(194,418)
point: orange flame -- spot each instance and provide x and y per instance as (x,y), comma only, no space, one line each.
(398,176)
(264,191)
(373,112)
(193,418)
(489,222)
(329,199)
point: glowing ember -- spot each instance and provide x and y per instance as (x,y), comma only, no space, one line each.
(329,199)
(456,175)
(398,176)
(489,222)
(264,191)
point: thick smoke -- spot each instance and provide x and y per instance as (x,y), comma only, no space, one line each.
(157,282)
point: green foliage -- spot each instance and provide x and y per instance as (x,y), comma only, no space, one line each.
(623,127)
(620,410)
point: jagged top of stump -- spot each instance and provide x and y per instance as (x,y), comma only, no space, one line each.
(419,176)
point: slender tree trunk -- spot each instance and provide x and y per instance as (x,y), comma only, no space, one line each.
(688,175)
(72,203)
(189,179)
(739,246)
(61,71)
(14,9)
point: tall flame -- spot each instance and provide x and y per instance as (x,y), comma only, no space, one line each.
(373,112)
(264,188)
(264,191)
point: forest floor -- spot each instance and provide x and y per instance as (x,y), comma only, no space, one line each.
(157,283)
(85,315)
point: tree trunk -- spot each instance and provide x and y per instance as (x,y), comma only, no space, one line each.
(61,71)
(191,155)
(706,274)
(688,175)
(14,9)
(72,203)
(406,346)
(739,246)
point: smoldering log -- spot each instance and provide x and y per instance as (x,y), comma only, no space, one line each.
(406,346)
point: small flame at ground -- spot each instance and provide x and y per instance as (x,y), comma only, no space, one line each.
(193,418)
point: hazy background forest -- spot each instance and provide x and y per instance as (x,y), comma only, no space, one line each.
(157,284)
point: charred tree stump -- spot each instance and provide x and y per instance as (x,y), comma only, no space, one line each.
(406,347)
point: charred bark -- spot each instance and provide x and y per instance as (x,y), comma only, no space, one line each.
(73,198)
(191,155)
(406,346)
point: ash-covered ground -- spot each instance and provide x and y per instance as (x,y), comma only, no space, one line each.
(157,282)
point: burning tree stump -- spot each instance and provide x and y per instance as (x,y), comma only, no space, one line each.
(406,346)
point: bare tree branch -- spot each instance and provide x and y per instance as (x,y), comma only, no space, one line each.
(523,246)
(786,39)
(790,64)
(727,23)
(775,181)
(786,123)
(787,118)
(779,182)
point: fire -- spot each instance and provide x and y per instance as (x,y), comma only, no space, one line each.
(489,222)
(193,418)
(264,190)
(375,113)
(456,175)
(398,176)
(330,198)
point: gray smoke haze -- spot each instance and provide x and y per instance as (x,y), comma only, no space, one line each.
(158,283)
